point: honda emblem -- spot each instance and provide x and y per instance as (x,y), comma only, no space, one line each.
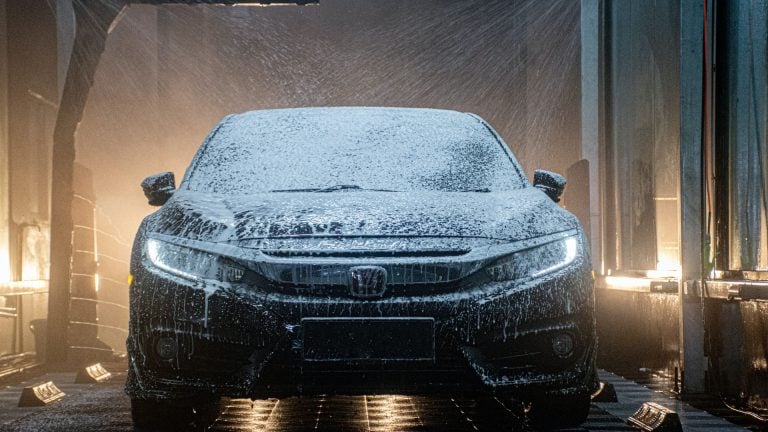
(367,281)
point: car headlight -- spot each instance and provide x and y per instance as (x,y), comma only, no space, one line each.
(536,261)
(191,263)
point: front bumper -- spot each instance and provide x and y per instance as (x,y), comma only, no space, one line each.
(248,343)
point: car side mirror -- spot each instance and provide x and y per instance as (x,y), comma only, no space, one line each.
(159,188)
(551,183)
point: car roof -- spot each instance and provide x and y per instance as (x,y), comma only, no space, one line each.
(388,144)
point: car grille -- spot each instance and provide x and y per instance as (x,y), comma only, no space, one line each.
(321,266)
(339,290)
(325,271)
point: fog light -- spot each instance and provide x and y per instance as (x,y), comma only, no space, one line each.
(562,345)
(166,348)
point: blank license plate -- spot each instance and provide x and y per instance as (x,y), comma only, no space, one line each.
(368,339)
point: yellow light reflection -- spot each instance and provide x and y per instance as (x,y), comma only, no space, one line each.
(5,266)
(625,282)
(666,268)
(391,413)
(30,271)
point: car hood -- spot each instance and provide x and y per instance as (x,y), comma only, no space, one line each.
(509,216)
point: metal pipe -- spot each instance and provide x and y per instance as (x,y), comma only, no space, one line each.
(691,193)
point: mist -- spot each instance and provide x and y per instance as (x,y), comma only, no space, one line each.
(170,73)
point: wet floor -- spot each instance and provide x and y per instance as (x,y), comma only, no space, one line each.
(104,407)
(386,414)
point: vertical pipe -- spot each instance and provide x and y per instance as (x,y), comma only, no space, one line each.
(691,193)
(20,321)
(65,21)
(590,117)
(5,265)
(621,140)
(609,197)
(95,252)
(92,22)
(758,72)
(743,107)
(16,326)
(745,166)
(722,124)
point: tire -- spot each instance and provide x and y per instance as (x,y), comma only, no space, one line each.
(554,412)
(154,415)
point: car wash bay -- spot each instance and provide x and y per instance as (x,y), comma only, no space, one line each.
(655,113)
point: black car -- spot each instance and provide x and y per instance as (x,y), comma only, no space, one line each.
(358,251)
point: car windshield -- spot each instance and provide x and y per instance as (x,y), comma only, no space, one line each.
(352,149)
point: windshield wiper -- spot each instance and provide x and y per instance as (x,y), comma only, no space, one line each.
(333,188)
(340,187)
(484,190)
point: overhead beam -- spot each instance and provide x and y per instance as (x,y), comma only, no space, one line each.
(225,2)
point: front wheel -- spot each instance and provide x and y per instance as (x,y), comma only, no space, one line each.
(160,415)
(553,412)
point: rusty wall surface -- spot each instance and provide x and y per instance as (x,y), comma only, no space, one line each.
(640,330)
(637,330)
(739,347)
